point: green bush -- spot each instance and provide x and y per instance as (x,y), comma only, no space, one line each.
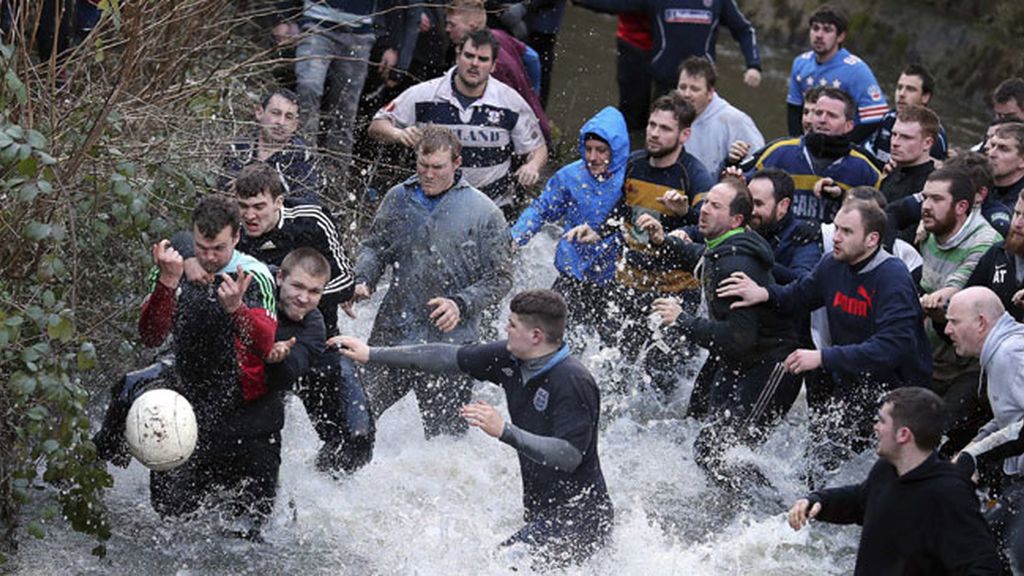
(102,153)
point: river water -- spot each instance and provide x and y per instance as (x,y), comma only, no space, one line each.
(442,506)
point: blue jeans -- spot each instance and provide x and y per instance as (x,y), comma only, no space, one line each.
(330,70)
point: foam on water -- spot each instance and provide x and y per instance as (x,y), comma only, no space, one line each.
(442,506)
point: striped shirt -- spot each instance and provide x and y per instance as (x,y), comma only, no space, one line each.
(491,129)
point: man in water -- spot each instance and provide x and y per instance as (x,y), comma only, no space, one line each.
(449,250)
(874,319)
(554,405)
(742,386)
(919,513)
(222,331)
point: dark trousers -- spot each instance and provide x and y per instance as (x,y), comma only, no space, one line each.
(842,419)
(239,472)
(439,396)
(544,44)
(559,540)
(1007,520)
(968,407)
(744,405)
(337,405)
(634,77)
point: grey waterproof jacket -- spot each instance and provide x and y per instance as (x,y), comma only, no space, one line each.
(460,249)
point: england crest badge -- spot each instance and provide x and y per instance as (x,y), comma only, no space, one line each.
(540,400)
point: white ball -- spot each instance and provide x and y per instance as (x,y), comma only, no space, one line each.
(161,429)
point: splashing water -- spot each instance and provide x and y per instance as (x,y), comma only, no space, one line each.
(442,506)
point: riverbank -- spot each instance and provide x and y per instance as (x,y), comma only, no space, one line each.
(969,46)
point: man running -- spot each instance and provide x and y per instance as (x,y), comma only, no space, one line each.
(554,405)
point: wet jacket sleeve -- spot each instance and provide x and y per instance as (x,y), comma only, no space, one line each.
(804,259)
(802,295)
(434,358)
(805,252)
(995,444)
(743,31)
(734,336)
(682,255)
(157,315)
(547,451)
(375,250)
(255,325)
(844,504)
(495,246)
(309,343)
(548,207)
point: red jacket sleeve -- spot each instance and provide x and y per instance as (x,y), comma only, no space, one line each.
(255,326)
(157,316)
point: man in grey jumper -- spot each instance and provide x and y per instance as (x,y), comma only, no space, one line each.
(979,326)
(449,250)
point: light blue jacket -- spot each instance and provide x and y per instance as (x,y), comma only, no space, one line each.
(574,197)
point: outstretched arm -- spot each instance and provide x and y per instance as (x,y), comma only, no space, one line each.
(434,357)
(548,451)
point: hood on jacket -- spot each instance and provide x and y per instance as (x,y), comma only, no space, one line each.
(747,243)
(610,125)
(1006,327)
(933,467)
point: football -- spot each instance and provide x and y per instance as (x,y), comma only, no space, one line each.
(161,429)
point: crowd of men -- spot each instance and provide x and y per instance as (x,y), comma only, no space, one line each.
(859,257)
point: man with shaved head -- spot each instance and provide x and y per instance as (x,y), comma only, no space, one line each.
(980,326)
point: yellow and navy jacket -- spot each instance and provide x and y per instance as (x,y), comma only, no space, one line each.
(849,171)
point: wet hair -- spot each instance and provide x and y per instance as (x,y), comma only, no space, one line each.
(927,80)
(678,106)
(813,93)
(1009,89)
(595,136)
(544,309)
(782,183)
(742,202)
(434,138)
(213,213)
(976,165)
(700,66)
(285,93)
(257,178)
(925,117)
(961,187)
(849,107)
(830,15)
(920,410)
(866,194)
(871,215)
(483,37)
(309,261)
(1014,131)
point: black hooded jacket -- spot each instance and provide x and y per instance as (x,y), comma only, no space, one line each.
(926,522)
(743,336)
